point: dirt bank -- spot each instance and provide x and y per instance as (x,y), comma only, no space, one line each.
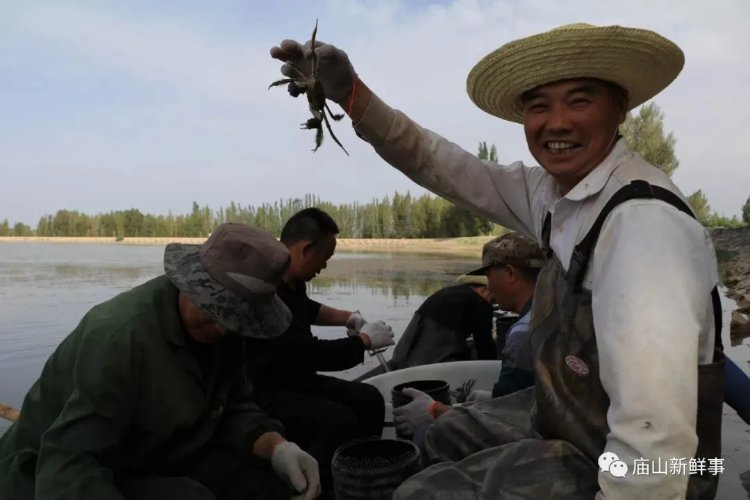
(733,252)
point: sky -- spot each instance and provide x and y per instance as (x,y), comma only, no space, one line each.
(110,105)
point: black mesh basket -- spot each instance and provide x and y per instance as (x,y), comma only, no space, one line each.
(373,468)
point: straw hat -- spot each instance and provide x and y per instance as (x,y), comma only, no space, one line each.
(640,61)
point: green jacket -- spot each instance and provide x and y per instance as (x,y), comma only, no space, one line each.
(122,396)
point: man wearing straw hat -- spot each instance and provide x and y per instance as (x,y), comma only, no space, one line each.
(147,397)
(625,323)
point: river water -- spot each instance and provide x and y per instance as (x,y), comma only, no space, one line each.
(46,288)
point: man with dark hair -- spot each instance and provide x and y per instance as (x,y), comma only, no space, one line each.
(321,412)
(147,398)
(312,224)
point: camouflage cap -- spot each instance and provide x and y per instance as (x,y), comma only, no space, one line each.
(232,278)
(510,249)
(472,279)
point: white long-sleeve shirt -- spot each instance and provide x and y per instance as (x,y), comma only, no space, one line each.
(650,276)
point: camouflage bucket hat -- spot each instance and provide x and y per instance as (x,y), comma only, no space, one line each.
(232,278)
(510,249)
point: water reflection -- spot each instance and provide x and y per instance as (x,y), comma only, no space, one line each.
(45,289)
(392,275)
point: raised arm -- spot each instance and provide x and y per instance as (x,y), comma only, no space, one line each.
(500,193)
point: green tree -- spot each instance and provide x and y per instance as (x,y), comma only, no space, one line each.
(746,212)
(487,154)
(4,228)
(699,203)
(133,223)
(644,134)
(21,229)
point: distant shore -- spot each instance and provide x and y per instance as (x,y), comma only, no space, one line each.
(732,249)
(463,247)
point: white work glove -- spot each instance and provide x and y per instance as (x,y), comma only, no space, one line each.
(354,323)
(415,414)
(479,395)
(335,72)
(298,468)
(379,333)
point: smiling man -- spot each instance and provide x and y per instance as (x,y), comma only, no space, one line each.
(623,327)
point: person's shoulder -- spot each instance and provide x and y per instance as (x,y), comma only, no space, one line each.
(138,310)
(521,326)
(637,168)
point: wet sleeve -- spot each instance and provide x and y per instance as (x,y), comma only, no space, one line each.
(77,448)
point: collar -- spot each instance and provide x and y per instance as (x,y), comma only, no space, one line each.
(525,309)
(595,181)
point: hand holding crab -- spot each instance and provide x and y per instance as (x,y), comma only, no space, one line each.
(320,71)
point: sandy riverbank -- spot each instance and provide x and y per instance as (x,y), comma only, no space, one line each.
(464,247)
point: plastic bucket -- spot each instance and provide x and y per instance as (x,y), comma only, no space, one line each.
(373,468)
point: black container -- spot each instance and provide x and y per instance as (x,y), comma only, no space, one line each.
(437,389)
(373,468)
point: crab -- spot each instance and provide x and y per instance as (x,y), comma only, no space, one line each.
(316,98)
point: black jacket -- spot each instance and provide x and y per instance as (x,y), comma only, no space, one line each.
(286,361)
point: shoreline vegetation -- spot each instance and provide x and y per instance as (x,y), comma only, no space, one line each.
(732,250)
(470,246)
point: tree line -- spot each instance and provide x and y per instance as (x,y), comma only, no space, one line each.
(397,216)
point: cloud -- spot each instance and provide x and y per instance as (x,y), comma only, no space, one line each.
(148,108)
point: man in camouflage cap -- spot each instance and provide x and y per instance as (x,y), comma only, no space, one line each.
(147,397)
(511,263)
(510,249)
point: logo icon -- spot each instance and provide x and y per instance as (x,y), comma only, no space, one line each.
(610,462)
(577,365)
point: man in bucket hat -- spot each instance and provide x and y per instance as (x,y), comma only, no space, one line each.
(147,397)
(625,319)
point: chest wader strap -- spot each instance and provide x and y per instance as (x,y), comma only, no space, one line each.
(579,261)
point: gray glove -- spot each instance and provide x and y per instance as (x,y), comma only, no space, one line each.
(379,333)
(298,468)
(414,414)
(335,72)
(354,323)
